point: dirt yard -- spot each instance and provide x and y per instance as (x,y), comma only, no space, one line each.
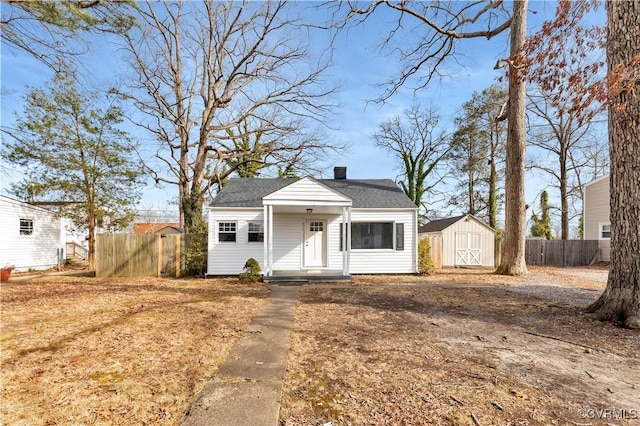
(116,351)
(461,348)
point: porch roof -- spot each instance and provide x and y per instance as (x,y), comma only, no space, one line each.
(364,193)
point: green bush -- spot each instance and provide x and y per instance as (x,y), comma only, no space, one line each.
(195,255)
(251,272)
(425,265)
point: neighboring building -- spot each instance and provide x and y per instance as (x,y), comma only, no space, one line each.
(170,230)
(461,241)
(596,220)
(298,227)
(30,237)
(156,227)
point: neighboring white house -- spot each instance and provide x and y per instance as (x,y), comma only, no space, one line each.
(596,220)
(462,241)
(30,237)
(297,228)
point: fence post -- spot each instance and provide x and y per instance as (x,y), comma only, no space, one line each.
(179,253)
(159,248)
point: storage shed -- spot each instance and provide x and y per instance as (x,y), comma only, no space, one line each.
(460,241)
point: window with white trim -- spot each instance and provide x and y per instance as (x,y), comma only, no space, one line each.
(372,235)
(256,232)
(605,231)
(227,232)
(26,226)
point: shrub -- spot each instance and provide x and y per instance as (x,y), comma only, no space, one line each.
(195,255)
(251,272)
(425,265)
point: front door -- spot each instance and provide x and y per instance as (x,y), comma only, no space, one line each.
(315,253)
(468,248)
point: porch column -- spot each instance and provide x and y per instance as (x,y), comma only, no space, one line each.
(348,239)
(343,237)
(270,239)
(265,245)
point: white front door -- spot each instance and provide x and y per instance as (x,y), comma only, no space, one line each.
(468,248)
(314,243)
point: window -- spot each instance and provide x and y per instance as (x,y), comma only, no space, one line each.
(227,232)
(26,226)
(372,235)
(605,231)
(316,226)
(399,236)
(256,232)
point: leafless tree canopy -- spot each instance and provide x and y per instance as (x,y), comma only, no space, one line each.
(571,150)
(418,145)
(203,69)
(434,28)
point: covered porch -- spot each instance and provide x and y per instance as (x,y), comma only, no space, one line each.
(305,228)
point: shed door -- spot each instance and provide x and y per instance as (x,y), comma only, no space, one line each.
(468,248)
(314,243)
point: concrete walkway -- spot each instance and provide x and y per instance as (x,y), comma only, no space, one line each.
(248,385)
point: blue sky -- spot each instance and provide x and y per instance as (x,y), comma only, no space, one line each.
(358,66)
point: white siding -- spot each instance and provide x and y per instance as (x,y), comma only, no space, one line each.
(596,213)
(228,258)
(306,190)
(387,261)
(468,226)
(36,251)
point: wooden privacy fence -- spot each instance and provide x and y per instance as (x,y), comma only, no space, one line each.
(540,252)
(143,255)
(435,248)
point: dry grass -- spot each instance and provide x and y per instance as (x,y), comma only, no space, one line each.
(115,351)
(510,351)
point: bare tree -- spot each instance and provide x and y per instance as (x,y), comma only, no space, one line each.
(440,25)
(567,140)
(566,59)
(419,146)
(204,68)
(278,154)
(513,260)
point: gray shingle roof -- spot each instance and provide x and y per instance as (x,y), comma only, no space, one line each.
(366,193)
(439,225)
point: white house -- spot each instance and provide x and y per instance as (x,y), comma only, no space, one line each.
(313,228)
(30,237)
(461,241)
(596,209)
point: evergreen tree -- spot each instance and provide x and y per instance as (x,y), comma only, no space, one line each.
(75,156)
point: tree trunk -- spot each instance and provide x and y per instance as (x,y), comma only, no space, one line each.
(564,200)
(513,260)
(493,178)
(91,252)
(621,299)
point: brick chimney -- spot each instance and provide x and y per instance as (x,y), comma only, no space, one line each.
(340,173)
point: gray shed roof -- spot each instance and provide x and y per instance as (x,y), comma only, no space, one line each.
(439,225)
(442,224)
(367,193)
